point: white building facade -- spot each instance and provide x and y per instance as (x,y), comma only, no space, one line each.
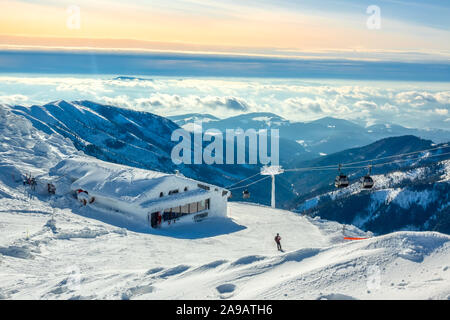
(156,199)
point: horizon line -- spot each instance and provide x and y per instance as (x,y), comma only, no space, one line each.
(137,46)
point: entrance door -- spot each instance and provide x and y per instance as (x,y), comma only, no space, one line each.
(154,219)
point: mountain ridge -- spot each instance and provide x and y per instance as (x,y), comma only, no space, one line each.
(141,139)
(322,135)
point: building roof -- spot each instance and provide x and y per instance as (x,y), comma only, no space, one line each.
(174,199)
(120,182)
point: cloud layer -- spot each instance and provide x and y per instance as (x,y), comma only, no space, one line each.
(423,105)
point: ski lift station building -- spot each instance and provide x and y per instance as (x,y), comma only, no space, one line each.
(154,198)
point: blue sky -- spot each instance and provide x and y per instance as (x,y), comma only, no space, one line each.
(432,14)
(409,30)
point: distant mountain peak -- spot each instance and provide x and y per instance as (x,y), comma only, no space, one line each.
(59,103)
(260,114)
(335,121)
(128,78)
(192,115)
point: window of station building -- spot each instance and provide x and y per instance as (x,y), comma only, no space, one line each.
(193,207)
(161,194)
(171,213)
(185,189)
(176,209)
(201,205)
(185,209)
(202,186)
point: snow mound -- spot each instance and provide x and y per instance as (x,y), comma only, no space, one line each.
(22,252)
(247,260)
(174,271)
(85,233)
(335,296)
(226,288)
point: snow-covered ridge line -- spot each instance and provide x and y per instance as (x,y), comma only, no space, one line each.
(24,149)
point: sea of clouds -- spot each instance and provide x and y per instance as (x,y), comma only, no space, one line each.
(411,104)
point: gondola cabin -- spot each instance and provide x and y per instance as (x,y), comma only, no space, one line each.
(367,182)
(341,181)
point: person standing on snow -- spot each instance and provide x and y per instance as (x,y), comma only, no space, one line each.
(278,241)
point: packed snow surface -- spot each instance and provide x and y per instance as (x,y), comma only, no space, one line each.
(72,256)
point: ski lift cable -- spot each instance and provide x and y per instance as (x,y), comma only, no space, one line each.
(266,177)
(365,166)
(369,160)
(236,183)
(397,155)
(334,168)
(362,167)
(393,156)
(343,165)
(404,160)
(400,160)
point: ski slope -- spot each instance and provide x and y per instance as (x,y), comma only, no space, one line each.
(54,248)
(75,257)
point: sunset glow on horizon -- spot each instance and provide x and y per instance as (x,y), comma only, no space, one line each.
(283,28)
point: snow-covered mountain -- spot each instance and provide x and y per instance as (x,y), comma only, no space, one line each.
(323,136)
(306,182)
(123,136)
(407,195)
(142,140)
(138,139)
(379,131)
(27,150)
(51,247)
(108,133)
(415,199)
(187,121)
(254,120)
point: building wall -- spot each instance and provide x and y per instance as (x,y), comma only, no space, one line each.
(217,206)
(218,201)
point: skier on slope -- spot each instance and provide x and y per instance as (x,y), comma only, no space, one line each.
(278,241)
